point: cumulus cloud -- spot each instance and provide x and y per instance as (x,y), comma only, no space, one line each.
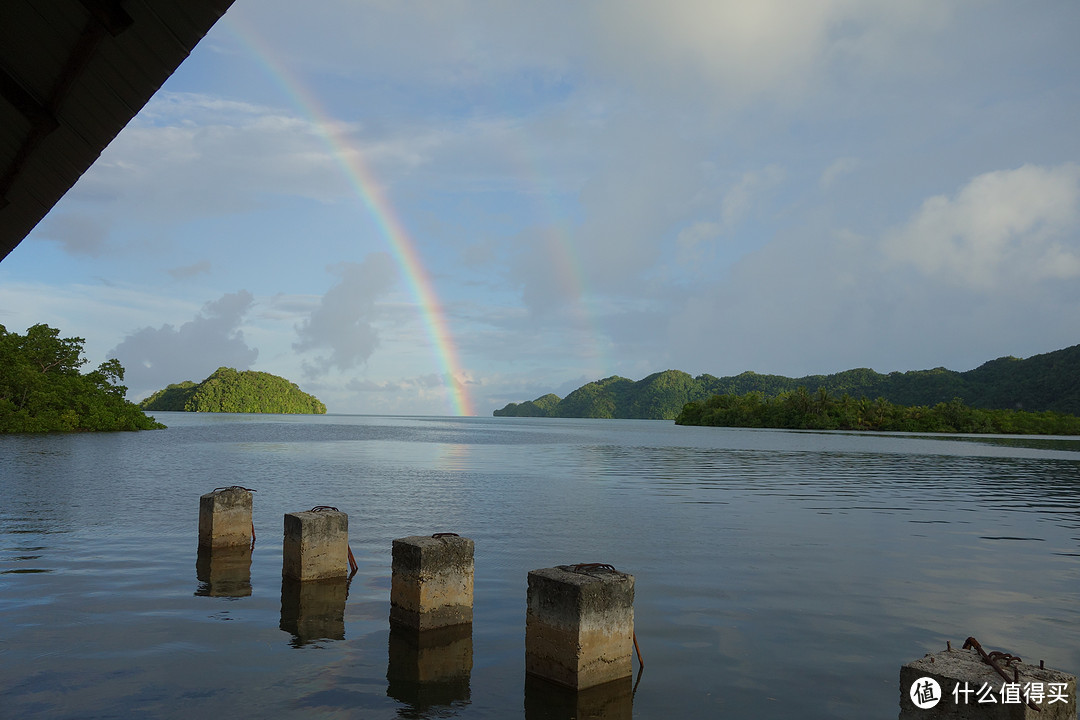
(969,277)
(1002,229)
(156,357)
(342,323)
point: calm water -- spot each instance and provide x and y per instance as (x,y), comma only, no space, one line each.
(779,574)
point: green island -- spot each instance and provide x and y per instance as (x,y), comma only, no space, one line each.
(1041,383)
(42,389)
(802,410)
(234,391)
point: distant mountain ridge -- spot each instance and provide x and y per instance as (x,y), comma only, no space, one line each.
(1050,381)
(231,390)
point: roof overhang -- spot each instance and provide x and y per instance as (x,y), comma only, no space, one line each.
(73,73)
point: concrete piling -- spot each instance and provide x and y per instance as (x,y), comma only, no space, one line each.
(313,610)
(225,517)
(432,581)
(579,626)
(958,684)
(316,544)
(224,571)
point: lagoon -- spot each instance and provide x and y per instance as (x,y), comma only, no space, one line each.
(775,570)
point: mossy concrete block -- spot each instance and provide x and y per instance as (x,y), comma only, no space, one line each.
(969,688)
(579,626)
(316,545)
(432,582)
(225,518)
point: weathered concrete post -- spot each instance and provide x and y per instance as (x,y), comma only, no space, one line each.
(960,685)
(579,627)
(225,517)
(432,581)
(316,544)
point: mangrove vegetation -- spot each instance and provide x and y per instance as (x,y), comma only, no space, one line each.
(43,390)
(803,410)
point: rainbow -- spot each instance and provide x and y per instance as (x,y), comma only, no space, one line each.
(368,189)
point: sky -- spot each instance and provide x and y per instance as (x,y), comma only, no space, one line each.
(438,208)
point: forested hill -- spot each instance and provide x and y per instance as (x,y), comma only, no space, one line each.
(1043,382)
(229,390)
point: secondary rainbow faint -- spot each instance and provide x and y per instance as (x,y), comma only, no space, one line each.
(375,200)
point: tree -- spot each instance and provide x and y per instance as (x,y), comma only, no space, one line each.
(42,390)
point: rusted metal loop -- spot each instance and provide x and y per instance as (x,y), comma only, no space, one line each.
(589,567)
(445,534)
(1007,657)
(234,487)
(324,508)
(991,660)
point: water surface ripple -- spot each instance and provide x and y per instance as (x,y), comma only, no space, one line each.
(775,570)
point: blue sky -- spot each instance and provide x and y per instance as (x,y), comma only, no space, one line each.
(614,187)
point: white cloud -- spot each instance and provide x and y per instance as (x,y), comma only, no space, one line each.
(1004,229)
(343,321)
(156,357)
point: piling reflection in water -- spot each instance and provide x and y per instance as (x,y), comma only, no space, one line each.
(224,571)
(430,669)
(545,700)
(313,610)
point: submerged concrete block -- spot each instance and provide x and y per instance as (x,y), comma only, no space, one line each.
(432,581)
(430,669)
(224,571)
(957,684)
(316,545)
(314,609)
(579,627)
(225,518)
(544,700)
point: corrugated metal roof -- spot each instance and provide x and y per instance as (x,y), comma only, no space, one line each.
(72,74)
